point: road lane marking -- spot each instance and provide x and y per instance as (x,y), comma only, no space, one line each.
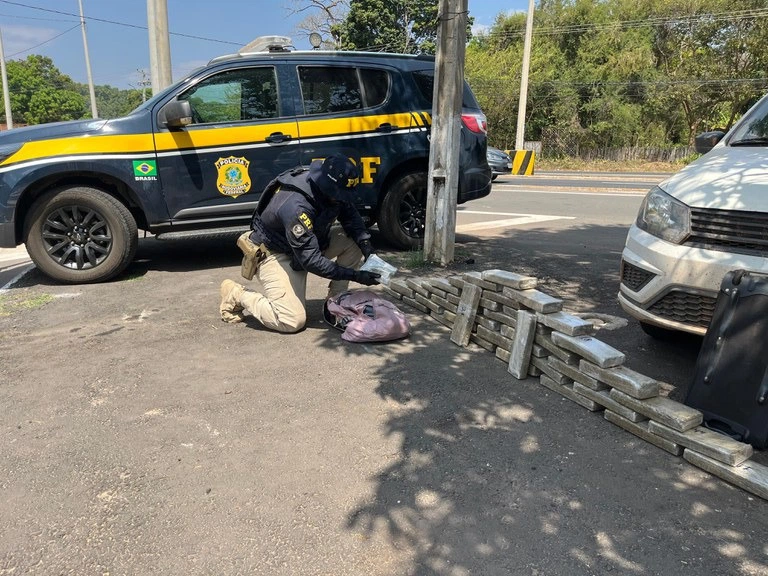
(518,214)
(566,193)
(19,276)
(521,220)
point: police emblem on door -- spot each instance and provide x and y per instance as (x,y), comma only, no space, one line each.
(233,179)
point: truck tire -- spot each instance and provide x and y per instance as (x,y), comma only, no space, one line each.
(404,211)
(80,235)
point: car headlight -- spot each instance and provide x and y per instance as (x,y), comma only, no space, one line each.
(664,216)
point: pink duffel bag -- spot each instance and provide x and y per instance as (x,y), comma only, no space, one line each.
(364,316)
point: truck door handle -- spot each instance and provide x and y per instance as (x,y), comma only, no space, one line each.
(277,138)
(386,128)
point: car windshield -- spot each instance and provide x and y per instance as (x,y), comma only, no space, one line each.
(753,131)
(160,95)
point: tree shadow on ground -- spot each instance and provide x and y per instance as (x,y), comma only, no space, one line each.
(579,264)
(499,476)
(495,476)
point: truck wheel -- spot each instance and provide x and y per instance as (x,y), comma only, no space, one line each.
(78,235)
(404,211)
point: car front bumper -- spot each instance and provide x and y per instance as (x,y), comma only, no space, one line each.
(675,286)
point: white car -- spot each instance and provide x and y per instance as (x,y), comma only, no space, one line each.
(704,221)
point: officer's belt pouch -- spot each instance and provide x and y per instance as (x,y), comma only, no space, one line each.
(253,255)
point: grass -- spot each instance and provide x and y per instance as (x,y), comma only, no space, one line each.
(607,165)
(13,303)
(133,277)
(414,260)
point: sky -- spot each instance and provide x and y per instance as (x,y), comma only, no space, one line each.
(116,32)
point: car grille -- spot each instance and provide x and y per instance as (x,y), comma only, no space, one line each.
(633,277)
(729,231)
(686,308)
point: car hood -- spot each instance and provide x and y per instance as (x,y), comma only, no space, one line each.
(52,130)
(726,178)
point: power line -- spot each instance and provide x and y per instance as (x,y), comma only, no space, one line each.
(630,24)
(33,18)
(45,42)
(116,23)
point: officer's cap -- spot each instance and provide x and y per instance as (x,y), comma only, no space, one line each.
(335,176)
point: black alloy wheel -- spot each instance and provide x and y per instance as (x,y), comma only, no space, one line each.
(79,234)
(404,211)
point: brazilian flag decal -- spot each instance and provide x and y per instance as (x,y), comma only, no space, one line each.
(144,168)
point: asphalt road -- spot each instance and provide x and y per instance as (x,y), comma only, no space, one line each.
(579,255)
(141,435)
(575,246)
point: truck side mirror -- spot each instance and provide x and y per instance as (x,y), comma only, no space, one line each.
(705,141)
(176,114)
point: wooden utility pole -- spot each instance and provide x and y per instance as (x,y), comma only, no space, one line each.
(6,91)
(159,45)
(443,183)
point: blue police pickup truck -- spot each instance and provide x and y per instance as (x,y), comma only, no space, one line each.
(196,157)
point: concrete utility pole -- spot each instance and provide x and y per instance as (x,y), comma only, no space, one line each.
(6,92)
(91,90)
(159,45)
(443,183)
(520,136)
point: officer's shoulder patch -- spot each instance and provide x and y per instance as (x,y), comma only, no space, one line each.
(298,230)
(304,219)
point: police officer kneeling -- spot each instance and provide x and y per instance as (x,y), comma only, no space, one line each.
(292,234)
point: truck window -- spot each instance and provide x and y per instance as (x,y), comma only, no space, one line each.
(329,89)
(375,86)
(425,80)
(234,96)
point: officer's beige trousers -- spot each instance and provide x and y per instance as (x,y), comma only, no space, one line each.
(279,301)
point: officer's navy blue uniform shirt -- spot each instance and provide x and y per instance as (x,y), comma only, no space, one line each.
(293,218)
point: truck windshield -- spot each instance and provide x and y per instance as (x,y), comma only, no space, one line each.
(173,88)
(753,130)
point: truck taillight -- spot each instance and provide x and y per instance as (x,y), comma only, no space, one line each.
(475,123)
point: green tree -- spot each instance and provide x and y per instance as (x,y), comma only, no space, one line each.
(406,26)
(41,93)
(112,102)
(714,60)
(610,73)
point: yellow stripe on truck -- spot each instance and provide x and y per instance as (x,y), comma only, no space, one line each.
(351,125)
(82,145)
(200,138)
(206,138)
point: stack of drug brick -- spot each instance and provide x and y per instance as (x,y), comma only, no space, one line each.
(504,313)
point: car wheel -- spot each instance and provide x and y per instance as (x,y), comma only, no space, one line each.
(403,212)
(78,235)
(494,177)
(659,333)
